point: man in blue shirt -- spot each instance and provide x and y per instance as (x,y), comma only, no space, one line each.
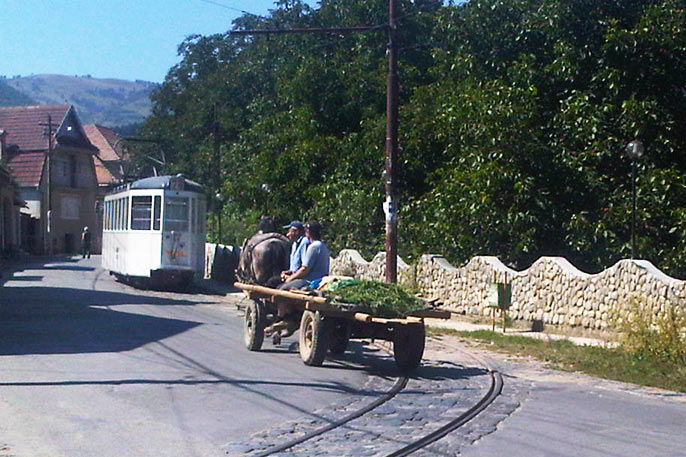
(315,264)
(299,243)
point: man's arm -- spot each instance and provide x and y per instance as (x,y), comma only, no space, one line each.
(300,273)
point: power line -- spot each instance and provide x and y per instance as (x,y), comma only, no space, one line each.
(211,2)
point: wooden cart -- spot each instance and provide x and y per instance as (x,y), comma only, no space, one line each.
(326,327)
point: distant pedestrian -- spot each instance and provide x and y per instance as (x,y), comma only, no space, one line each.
(86,243)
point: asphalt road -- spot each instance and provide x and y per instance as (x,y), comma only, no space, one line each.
(92,367)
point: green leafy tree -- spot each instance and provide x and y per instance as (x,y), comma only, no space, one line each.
(514,118)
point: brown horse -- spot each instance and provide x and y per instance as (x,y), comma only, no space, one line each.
(263,257)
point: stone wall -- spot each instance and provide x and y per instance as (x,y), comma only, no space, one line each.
(221,262)
(551,291)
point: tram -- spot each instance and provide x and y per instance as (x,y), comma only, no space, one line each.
(154,232)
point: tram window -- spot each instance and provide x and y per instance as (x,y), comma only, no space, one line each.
(117,216)
(120,214)
(141,212)
(104,217)
(126,213)
(158,211)
(176,214)
(115,219)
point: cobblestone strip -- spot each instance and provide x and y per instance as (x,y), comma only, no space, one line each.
(441,391)
(288,431)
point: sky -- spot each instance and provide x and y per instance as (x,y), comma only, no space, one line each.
(122,39)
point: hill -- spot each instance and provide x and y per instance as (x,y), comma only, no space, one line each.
(9,96)
(108,102)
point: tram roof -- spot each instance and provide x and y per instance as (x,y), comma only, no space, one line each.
(162,182)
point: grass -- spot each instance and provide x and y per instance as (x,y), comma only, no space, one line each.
(617,364)
(377,298)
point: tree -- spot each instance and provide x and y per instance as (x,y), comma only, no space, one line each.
(514,116)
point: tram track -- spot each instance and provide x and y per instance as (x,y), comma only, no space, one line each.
(493,392)
(427,439)
(399,385)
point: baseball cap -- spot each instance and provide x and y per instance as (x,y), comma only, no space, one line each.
(297,224)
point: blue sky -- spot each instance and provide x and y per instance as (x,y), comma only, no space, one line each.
(124,39)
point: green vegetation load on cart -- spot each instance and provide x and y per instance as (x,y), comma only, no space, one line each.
(374,297)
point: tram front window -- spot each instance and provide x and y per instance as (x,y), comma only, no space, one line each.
(141,211)
(176,214)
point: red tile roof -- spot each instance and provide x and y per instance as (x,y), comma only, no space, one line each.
(23,124)
(27,168)
(26,141)
(103,175)
(105,139)
(109,153)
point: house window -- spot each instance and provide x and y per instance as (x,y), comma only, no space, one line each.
(74,172)
(70,206)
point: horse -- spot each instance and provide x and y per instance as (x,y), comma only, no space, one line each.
(264,256)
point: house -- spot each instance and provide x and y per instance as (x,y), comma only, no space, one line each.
(110,160)
(111,168)
(9,206)
(51,161)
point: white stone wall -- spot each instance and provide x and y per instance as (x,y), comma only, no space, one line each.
(552,290)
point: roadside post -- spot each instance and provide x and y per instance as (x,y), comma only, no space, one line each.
(499,298)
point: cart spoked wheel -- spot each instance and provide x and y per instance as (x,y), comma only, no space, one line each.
(314,338)
(408,345)
(253,325)
(340,335)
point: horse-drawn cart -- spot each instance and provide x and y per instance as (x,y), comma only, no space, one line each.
(327,327)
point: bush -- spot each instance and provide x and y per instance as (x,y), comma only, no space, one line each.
(646,336)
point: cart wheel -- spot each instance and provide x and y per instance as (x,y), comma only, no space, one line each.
(314,338)
(408,346)
(253,325)
(340,335)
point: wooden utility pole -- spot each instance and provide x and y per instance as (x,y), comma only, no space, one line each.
(47,243)
(216,198)
(390,205)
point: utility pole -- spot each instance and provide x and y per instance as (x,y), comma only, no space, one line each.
(390,205)
(219,204)
(48,160)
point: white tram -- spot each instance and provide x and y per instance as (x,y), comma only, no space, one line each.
(154,231)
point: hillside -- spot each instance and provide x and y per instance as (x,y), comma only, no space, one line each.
(9,96)
(108,102)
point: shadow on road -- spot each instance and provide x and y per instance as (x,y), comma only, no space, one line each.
(63,267)
(37,320)
(378,362)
